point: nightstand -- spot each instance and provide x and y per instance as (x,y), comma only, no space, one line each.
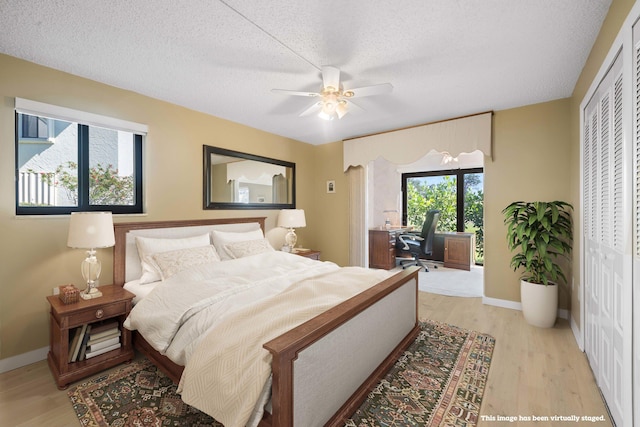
(308,253)
(67,319)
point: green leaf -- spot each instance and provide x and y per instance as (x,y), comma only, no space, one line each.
(542,248)
(541,207)
(530,254)
(554,213)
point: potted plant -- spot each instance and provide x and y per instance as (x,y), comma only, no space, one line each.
(540,233)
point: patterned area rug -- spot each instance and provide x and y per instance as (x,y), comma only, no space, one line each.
(438,381)
(135,395)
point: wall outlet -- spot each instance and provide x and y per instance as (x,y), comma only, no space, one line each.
(56,290)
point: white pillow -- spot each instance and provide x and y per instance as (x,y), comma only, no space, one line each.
(222,238)
(248,247)
(172,262)
(148,246)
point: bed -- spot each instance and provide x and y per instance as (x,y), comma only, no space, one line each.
(320,370)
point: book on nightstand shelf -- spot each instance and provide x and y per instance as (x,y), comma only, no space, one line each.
(104,328)
(103,337)
(74,337)
(89,355)
(90,339)
(102,344)
(74,350)
(83,345)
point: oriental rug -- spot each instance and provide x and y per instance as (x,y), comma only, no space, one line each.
(438,381)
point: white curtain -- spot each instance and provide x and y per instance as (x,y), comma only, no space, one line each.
(357,216)
(279,186)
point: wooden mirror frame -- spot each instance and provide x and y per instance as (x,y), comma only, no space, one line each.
(208,183)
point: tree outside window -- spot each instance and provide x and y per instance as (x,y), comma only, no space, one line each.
(78,167)
(458,212)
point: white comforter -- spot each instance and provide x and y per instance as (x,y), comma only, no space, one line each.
(203,303)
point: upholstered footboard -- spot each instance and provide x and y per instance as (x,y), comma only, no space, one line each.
(324,369)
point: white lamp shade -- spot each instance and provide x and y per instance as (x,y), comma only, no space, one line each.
(291,218)
(91,230)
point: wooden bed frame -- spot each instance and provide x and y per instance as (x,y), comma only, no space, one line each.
(312,345)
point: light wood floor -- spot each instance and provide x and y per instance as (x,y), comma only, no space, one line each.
(534,372)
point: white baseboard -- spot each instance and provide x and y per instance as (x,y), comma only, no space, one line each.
(15,362)
(502,303)
(514,305)
(577,334)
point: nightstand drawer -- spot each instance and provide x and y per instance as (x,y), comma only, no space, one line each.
(95,314)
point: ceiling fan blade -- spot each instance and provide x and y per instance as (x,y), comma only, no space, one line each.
(316,106)
(353,107)
(342,109)
(369,90)
(295,92)
(331,77)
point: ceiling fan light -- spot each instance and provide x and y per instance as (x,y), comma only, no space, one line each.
(325,116)
(330,102)
(329,107)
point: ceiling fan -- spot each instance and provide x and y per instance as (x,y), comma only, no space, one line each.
(335,101)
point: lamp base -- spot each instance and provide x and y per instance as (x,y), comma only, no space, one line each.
(93,293)
(291,239)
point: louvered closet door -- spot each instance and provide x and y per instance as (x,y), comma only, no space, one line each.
(590,233)
(636,220)
(606,230)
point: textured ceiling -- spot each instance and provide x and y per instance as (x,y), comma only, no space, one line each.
(444,58)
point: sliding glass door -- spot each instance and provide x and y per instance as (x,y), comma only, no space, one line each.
(457,194)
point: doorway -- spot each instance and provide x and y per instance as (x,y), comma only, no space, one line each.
(457,193)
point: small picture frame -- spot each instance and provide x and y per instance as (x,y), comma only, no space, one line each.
(331,186)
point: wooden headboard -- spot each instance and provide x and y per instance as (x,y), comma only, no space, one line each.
(122,229)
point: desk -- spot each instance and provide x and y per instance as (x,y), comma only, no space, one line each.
(459,249)
(382,246)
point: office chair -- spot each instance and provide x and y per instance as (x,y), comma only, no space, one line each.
(419,244)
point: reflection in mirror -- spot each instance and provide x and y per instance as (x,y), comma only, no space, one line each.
(234,180)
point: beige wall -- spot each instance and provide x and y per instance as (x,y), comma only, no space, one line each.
(531,149)
(34,257)
(329,231)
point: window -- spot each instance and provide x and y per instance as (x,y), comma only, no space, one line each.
(457,194)
(64,164)
(33,127)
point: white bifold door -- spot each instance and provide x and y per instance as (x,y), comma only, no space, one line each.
(635,300)
(608,240)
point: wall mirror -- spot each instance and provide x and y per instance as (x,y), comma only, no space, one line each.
(234,180)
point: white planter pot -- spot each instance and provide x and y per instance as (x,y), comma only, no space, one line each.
(539,303)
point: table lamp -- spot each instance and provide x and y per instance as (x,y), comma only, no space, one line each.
(91,230)
(291,218)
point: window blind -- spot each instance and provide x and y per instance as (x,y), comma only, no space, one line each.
(35,108)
